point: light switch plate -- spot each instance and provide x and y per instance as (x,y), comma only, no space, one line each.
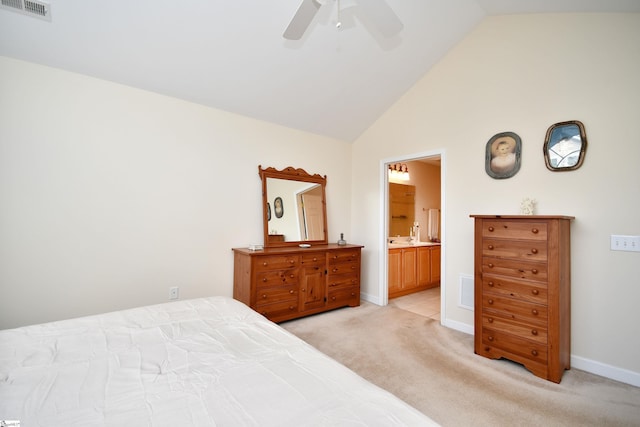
(625,243)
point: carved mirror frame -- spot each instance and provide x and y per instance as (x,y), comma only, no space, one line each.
(293,212)
(565,145)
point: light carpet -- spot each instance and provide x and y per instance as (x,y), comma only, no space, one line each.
(434,369)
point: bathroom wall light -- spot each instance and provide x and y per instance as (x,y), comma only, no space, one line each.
(398,172)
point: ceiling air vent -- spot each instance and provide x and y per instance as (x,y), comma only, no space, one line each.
(34,8)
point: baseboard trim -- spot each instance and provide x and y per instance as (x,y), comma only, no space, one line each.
(602,369)
(458,326)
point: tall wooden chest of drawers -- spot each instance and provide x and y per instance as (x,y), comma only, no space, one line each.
(522,291)
(284,283)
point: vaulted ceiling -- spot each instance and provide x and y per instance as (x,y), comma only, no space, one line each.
(231,55)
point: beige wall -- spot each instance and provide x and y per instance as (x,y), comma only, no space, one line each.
(522,74)
(111,195)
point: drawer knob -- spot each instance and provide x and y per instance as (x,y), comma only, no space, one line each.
(535,292)
(334,270)
(534,271)
(490,247)
(291,291)
(534,352)
(264,279)
(534,332)
(534,251)
(490,265)
(291,261)
(490,301)
(353,294)
(490,284)
(333,298)
(292,276)
(265,263)
(490,319)
(491,229)
(490,338)
(534,312)
(534,230)
(291,307)
(264,296)
(303,290)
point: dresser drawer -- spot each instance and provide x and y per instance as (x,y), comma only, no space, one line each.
(525,348)
(277,262)
(515,268)
(342,281)
(279,293)
(344,296)
(515,288)
(519,311)
(346,256)
(520,230)
(279,310)
(345,268)
(533,332)
(313,260)
(276,278)
(515,249)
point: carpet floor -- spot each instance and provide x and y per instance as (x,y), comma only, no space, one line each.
(434,369)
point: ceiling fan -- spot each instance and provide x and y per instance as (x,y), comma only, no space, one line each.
(377,11)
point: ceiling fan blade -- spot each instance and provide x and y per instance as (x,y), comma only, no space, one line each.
(382,16)
(302,19)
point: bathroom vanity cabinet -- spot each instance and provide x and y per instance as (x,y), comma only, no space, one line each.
(284,283)
(522,288)
(412,269)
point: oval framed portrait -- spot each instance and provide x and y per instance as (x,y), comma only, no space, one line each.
(278,208)
(502,155)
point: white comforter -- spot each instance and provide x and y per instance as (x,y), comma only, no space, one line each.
(202,362)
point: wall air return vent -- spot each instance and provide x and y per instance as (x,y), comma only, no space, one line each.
(34,8)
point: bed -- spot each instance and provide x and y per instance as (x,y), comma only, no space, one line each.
(201,362)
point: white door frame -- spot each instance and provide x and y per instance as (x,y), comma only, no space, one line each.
(383,285)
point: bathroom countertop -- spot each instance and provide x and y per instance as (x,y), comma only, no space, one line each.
(411,244)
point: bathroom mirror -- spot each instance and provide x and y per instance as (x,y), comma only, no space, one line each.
(294,207)
(564,146)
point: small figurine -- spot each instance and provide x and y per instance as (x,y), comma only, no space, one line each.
(526,207)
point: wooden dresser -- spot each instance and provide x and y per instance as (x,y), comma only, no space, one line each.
(284,283)
(523,291)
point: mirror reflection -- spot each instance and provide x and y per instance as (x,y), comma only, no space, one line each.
(565,146)
(294,207)
(297,210)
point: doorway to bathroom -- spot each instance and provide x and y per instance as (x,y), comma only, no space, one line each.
(414,234)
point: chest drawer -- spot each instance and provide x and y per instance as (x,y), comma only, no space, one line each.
(277,262)
(520,230)
(519,346)
(513,268)
(515,288)
(276,278)
(515,249)
(532,332)
(516,310)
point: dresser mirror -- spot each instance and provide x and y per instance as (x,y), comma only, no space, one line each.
(564,146)
(294,207)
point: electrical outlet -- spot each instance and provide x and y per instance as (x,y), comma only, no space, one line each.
(174,292)
(625,243)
